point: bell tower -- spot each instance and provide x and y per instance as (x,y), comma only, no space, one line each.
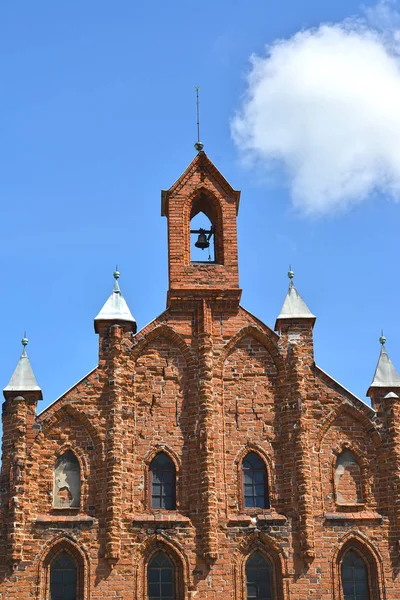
(202,190)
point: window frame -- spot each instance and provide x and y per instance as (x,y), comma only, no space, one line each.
(267,500)
(50,555)
(150,484)
(373,561)
(150,548)
(173,569)
(271,567)
(359,555)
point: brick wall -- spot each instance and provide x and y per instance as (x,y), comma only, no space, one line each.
(206,383)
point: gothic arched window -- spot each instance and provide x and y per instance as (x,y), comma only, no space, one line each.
(67,481)
(259,577)
(354,575)
(160,578)
(162,482)
(348,479)
(63,578)
(255,482)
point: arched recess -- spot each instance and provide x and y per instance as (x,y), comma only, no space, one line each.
(68,482)
(346,428)
(267,460)
(365,468)
(145,552)
(67,410)
(355,540)
(85,442)
(202,200)
(274,553)
(173,456)
(79,557)
(166,331)
(253,332)
(352,411)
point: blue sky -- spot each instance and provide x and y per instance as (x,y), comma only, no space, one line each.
(98,115)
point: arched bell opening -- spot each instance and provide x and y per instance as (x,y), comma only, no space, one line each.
(205,231)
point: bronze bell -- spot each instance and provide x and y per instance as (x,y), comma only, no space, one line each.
(202,241)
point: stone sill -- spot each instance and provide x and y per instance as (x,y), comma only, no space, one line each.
(261,518)
(364,515)
(70,519)
(164,517)
(350,507)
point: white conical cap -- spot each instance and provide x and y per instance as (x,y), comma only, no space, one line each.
(385,372)
(23,378)
(115,308)
(294,306)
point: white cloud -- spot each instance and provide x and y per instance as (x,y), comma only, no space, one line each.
(326,104)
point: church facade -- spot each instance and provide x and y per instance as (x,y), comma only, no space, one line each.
(207,456)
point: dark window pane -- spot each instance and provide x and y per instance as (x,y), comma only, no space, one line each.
(258,577)
(163,482)
(255,482)
(354,577)
(63,578)
(160,578)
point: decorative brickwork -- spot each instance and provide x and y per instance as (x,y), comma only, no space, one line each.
(206,383)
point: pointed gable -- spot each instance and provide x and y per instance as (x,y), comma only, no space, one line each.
(201,162)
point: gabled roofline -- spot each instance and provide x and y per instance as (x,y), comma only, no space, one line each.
(355,400)
(39,415)
(200,157)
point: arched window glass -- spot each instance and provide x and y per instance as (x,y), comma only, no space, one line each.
(67,481)
(163,482)
(354,577)
(255,482)
(63,578)
(259,577)
(160,578)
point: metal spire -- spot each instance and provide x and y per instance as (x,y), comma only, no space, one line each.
(294,305)
(24,342)
(198,145)
(23,378)
(115,309)
(385,372)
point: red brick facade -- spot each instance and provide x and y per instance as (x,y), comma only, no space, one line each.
(206,383)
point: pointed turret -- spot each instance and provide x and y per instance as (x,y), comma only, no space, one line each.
(294,307)
(386,380)
(385,373)
(23,378)
(115,310)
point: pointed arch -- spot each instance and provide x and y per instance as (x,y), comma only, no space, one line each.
(269,466)
(357,541)
(202,200)
(340,410)
(68,410)
(164,330)
(148,549)
(255,332)
(167,450)
(274,553)
(365,466)
(79,556)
